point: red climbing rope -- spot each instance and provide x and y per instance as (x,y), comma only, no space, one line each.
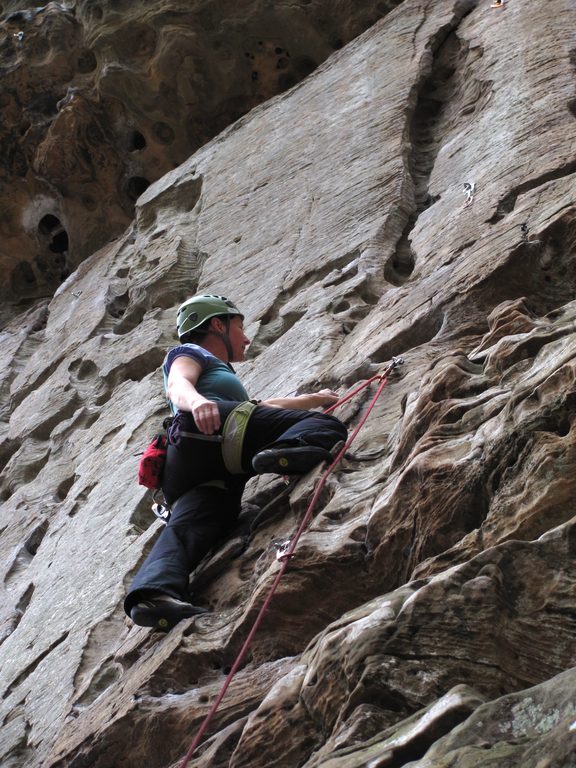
(354,392)
(287,556)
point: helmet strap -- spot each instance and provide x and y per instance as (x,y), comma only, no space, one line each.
(226,339)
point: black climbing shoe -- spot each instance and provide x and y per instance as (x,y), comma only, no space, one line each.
(290,460)
(163,612)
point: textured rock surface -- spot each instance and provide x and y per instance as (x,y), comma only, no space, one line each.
(429,616)
(99,99)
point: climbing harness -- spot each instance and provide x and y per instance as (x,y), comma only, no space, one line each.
(233,432)
(176,432)
(152,463)
(285,549)
(231,439)
(469,188)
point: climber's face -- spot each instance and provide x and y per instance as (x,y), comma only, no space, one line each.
(238,339)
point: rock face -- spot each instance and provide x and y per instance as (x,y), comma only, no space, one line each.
(99,99)
(413,196)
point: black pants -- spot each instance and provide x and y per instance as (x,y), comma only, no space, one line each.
(203,514)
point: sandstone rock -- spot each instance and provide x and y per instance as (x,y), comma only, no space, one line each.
(101,99)
(534,728)
(428,617)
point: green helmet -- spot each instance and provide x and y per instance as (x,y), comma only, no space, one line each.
(198,309)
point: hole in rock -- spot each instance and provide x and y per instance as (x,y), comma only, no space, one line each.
(59,243)
(136,141)
(83,369)
(17,16)
(87,62)
(48,224)
(163,133)
(401,265)
(24,601)
(44,104)
(50,227)
(117,305)
(32,543)
(137,185)
(40,323)
(564,427)
(64,488)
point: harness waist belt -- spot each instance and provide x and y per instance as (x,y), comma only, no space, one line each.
(232,437)
(200,436)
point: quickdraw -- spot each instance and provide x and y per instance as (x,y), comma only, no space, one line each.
(469,188)
(526,238)
(282,549)
(286,551)
(161,510)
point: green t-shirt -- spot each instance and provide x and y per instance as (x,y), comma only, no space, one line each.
(216,382)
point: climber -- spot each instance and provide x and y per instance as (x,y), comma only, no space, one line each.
(218,439)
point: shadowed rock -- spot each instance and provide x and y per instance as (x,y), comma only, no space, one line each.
(101,99)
